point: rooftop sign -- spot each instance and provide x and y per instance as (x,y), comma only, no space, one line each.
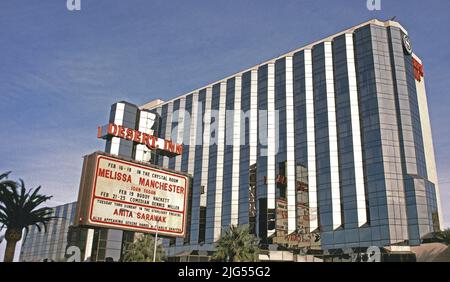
(164,147)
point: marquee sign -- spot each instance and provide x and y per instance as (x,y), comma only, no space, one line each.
(164,147)
(130,195)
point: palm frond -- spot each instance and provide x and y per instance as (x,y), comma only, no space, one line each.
(236,245)
(19,206)
(4,175)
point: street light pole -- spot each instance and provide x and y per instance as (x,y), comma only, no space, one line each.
(156,241)
(156,237)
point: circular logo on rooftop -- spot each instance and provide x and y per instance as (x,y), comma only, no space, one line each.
(407,44)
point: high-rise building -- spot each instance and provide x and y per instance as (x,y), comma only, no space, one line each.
(328,145)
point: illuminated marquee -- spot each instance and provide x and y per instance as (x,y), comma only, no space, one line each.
(129,195)
(164,147)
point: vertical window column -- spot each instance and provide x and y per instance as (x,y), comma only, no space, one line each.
(236,151)
(118,119)
(253,138)
(179,139)
(206,141)
(168,132)
(290,146)
(271,140)
(192,168)
(332,135)
(180,128)
(206,135)
(253,147)
(311,141)
(356,133)
(193,131)
(146,122)
(220,156)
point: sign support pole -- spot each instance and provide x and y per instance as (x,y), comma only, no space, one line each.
(156,241)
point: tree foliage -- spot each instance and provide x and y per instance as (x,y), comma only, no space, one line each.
(237,245)
(19,209)
(142,249)
(443,236)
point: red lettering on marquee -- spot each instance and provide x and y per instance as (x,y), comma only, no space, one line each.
(152,183)
(129,134)
(142,138)
(121,133)
(112,129)
(137,137)
(179,149)
(151,217)
(153,140)
(145,138)
(169,146)
(123,212)
(119,176)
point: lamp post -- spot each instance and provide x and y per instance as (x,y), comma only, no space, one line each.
(156,236)
(156,241)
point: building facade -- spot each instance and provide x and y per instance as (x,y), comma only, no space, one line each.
(51,245)
(326,146)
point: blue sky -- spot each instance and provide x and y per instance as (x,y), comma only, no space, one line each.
(60,70)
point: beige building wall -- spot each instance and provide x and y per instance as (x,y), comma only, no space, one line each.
(428,140)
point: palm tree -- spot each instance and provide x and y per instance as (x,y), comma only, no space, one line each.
(237,245)
(19,210)
(141,250)
(443,236)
